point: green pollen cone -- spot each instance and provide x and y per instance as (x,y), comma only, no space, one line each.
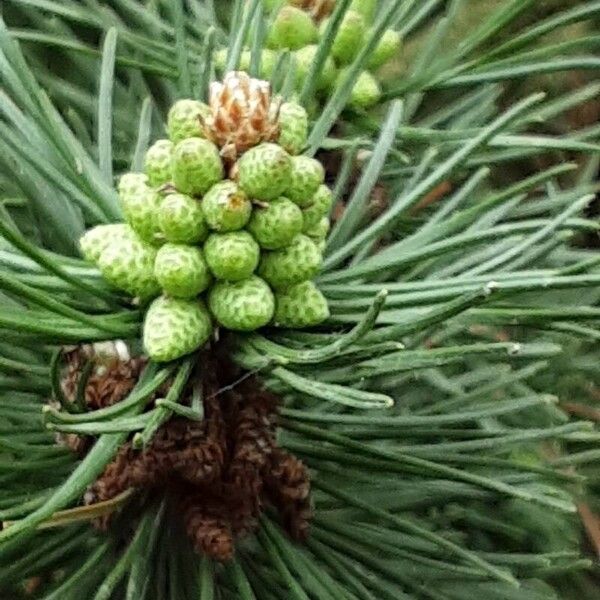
(302,305)
(181,219)
(232,256)
(197,166)
(244,305)
(181,270)
(264,171)
(275,225)
(226,207)
(175,327)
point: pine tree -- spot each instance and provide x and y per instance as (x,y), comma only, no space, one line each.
(412,446)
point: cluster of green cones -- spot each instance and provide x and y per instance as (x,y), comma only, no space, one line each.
(227,225)
(298,25)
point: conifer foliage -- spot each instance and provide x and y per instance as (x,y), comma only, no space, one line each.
(412,443)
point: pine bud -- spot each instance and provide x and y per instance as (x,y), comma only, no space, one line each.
(94,241)
(293,127)
(318,233)
(302,305)
(275,225)
(244,305)
(305,57)
(186,120)
(349,38)
(232,256)
(306,176)
(181,270)
(158,162)
(226,207)
(366,8)
(181,219)
(389,46)
(366,91)
(128,264)
(295,263)
(140,206)
(263,172)
(319,207)
(292,29)
(175,327)
(197,166)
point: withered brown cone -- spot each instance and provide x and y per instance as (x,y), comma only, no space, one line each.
(318,9)
(243,114)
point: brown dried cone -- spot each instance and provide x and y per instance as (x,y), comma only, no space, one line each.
(318,9)
(287,484)
(242,114)
(111,381)
(207,524)
(219,471)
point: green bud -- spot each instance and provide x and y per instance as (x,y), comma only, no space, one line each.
(292,29)
(158,163)
(181,219)
(319,207)
(302,305)
(293,127)
(186,119)
(175,327)
(389,46)
(181,270)
(140,206)
(264,171)
(197,166)
(349,38)
(306,176)
(275,225)
(297,262)
(319,232)
(232,256)
(366,8)
(366,91)
(305,57)
(128,264)
(226,207)
(94,241)
(243,305)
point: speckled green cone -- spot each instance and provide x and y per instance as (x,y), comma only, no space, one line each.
(302,305)
(181,270)
(293,124)
(175,327)
(140,206)
(292,29)
(318,208)
(297,262)
(157,164)
(305,57)
(264,171)
(226,207)
(366,91)
(307,174)
(389,46)
(276,225)
(185,119)
(319,232)
(197,166)
(349,38)
(245,305)
(94,241)
(181,220)
(128,264)
(366,8)
(232,256)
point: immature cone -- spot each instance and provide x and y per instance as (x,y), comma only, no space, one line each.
(242,114)
(175,327)
(302,305)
